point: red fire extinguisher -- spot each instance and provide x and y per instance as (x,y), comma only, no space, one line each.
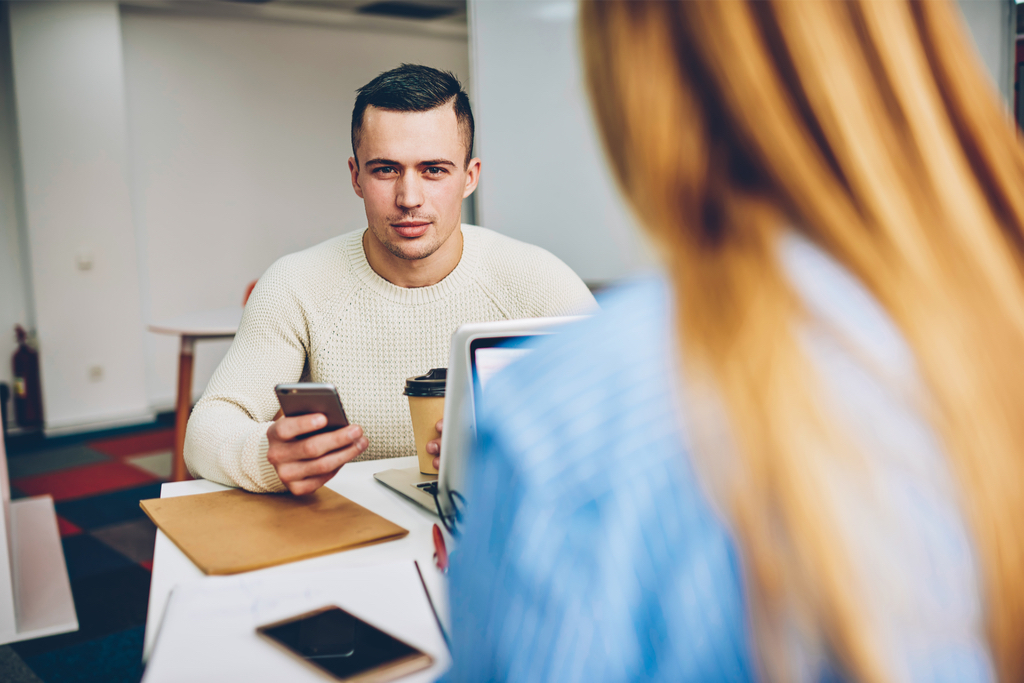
(28,389)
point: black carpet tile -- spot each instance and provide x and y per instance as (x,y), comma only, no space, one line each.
(108,508)
(106,603)
(87,556)
(13,668)
(111,659)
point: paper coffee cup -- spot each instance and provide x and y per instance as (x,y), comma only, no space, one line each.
(426,407)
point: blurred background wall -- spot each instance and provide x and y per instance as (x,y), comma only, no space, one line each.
(155,157)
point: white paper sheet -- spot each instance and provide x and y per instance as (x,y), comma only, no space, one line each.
(209,628)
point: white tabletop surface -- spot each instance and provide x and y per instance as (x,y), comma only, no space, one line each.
(214,323)
(355,481)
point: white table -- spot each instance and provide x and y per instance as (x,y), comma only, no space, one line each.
(355,481)
(191,327)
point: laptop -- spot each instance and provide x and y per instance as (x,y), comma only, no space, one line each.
(478,352)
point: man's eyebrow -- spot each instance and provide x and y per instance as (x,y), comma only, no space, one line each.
(429,162)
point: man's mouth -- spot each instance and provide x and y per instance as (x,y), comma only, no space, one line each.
(411,228)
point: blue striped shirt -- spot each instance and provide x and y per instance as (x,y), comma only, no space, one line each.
(591,552)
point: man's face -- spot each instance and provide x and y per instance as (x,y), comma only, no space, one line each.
(412,178)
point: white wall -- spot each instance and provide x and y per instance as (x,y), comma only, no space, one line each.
(545,179)
(239,141)
(69,93)
(993,24)
(15,307)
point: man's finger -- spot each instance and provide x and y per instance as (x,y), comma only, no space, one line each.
(332,461)
(439,426)
(282,452)
(297,470)
(287,428)
(310,484)
(315,446)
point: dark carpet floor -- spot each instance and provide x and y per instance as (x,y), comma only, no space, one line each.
(96,482)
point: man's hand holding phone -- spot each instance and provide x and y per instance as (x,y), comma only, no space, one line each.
(304,465)
(313,439)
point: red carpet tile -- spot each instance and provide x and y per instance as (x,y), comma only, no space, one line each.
(88,480)
(66,528)
(135,444)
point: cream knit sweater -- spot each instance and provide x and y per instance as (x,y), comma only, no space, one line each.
(323,315)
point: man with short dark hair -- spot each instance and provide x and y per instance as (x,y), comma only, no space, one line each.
(366,310)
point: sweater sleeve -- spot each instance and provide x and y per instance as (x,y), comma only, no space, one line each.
(226,441)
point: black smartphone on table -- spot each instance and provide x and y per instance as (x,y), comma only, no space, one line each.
(306,398)
(346,647)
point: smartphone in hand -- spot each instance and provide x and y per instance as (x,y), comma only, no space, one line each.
(305,398)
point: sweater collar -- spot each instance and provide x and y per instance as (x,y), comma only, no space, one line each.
(453,282)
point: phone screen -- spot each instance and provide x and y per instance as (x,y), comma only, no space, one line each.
(341,644)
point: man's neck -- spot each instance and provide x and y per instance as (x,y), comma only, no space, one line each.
(413,273)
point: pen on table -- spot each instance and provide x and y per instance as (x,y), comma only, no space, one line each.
(430,600)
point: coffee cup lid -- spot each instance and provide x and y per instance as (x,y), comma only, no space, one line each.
(430,384)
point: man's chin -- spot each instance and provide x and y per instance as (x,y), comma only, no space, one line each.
(412,250)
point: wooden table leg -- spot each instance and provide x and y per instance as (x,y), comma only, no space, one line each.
(178,470)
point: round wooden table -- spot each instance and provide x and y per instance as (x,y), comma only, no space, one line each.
(192,327)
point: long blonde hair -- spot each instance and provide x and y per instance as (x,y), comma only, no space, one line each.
(869,127)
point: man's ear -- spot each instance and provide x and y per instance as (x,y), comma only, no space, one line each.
(353,168)
(472,177)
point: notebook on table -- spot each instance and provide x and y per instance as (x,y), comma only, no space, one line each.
(227,532)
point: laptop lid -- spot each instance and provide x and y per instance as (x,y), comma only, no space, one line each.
(478,352)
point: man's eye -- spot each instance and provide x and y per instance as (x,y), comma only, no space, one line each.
(384,170)
(436,170)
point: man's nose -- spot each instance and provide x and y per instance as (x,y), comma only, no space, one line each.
(410,191)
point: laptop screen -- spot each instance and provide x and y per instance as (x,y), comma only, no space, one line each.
(491,355)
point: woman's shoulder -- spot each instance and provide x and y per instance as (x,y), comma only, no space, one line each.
(595,517)
(596,390)
(630,328)
(601,351)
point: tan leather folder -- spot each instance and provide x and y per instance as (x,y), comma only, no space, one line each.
(234,531)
